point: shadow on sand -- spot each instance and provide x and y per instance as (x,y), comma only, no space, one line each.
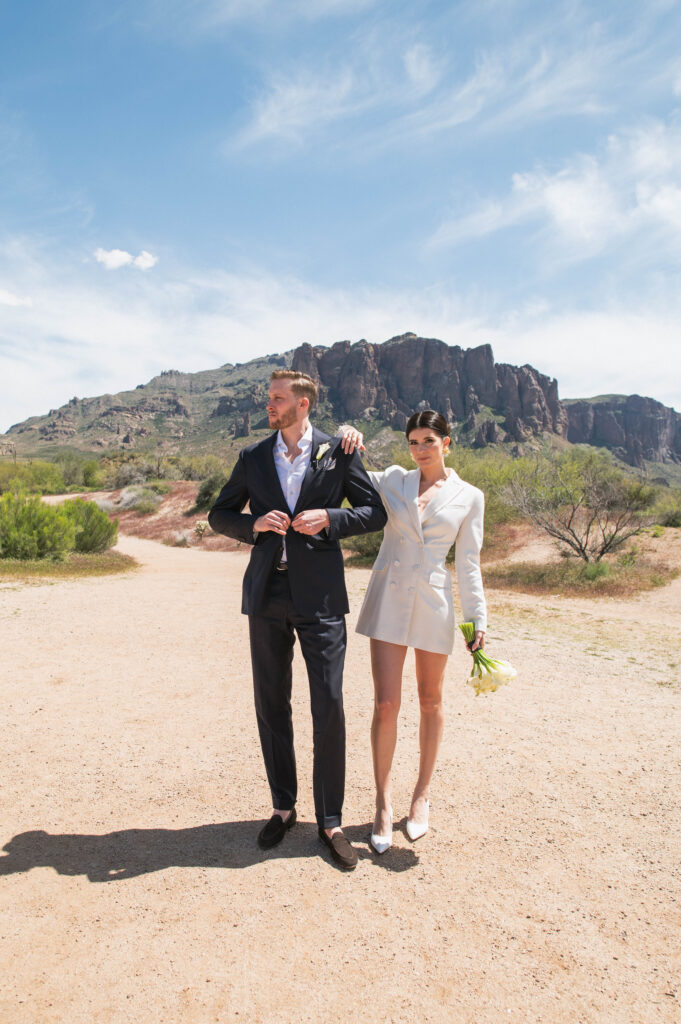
(140,851)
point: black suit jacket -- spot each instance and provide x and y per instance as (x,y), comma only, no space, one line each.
(315,563)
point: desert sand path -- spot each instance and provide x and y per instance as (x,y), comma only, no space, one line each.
(131,888)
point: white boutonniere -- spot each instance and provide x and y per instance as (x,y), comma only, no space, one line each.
(323,448)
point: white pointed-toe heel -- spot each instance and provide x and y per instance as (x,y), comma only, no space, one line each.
(416,829)
(383,843)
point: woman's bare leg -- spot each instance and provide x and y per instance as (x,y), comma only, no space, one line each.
(430,672)
(387,662)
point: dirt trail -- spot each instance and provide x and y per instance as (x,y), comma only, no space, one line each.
(131,888)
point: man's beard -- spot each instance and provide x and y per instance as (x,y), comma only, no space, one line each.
(286,419)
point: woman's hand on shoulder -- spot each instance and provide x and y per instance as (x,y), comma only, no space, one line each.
(352,438)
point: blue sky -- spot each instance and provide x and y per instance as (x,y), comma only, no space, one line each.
(185,183)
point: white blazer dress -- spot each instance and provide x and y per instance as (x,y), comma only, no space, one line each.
(409,597)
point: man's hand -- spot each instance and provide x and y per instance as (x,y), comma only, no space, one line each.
(276,521)
(313,521)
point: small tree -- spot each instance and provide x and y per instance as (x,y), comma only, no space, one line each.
(583,501)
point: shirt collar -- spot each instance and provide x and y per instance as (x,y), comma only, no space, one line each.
(304,443)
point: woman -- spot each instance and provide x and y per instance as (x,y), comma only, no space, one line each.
(408,602)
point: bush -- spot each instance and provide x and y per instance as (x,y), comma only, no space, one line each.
(208,492)
(198,467)
(36,477)
(136,471)
(365,547)
(30,529)
(668,510)
(92,474)
(142,499)
(94,531)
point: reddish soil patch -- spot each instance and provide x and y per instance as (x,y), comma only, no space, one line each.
(172,522)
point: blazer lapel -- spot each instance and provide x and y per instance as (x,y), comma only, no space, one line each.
(271,468)
(312,467)
(410,492)
(450,488)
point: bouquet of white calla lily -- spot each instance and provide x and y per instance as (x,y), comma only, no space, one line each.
(488,674)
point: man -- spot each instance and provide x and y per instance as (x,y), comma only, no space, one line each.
(295,481)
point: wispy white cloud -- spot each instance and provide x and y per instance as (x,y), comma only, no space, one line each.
(145,261)
(291,107)
(84,337)
(10,299)
(592,202)
(114,259)
(565,63)
(423,69)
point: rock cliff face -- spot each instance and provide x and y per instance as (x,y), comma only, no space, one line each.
(634,428)
(487,402)
(407,373)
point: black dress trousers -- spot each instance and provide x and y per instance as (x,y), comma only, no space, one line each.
(322,642)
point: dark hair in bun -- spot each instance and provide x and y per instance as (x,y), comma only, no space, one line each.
(429,419)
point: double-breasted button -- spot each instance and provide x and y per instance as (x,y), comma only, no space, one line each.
(396,562)
(393,583)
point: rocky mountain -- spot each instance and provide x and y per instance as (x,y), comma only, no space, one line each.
(486,402)
(498,401)
(634,428)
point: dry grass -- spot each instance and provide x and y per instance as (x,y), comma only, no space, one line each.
(569,577)
(75,566)
(503,539)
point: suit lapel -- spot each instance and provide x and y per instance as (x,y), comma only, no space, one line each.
(312,467)
(450,488)
(271,468)
(410,493)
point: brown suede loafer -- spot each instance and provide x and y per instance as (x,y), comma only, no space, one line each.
(342,852)
(275,830)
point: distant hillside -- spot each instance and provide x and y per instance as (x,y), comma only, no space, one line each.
(380,385)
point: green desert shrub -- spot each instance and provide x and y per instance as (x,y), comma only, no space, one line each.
(209,490)
(668,509)
(35,477)
(142,499)
(29,529)
(92,474)
(94,531)
(198,467)
(133,471)
(365,547)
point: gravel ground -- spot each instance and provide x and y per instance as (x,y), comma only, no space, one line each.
(131,886)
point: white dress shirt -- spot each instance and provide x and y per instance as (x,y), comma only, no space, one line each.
(291,474)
